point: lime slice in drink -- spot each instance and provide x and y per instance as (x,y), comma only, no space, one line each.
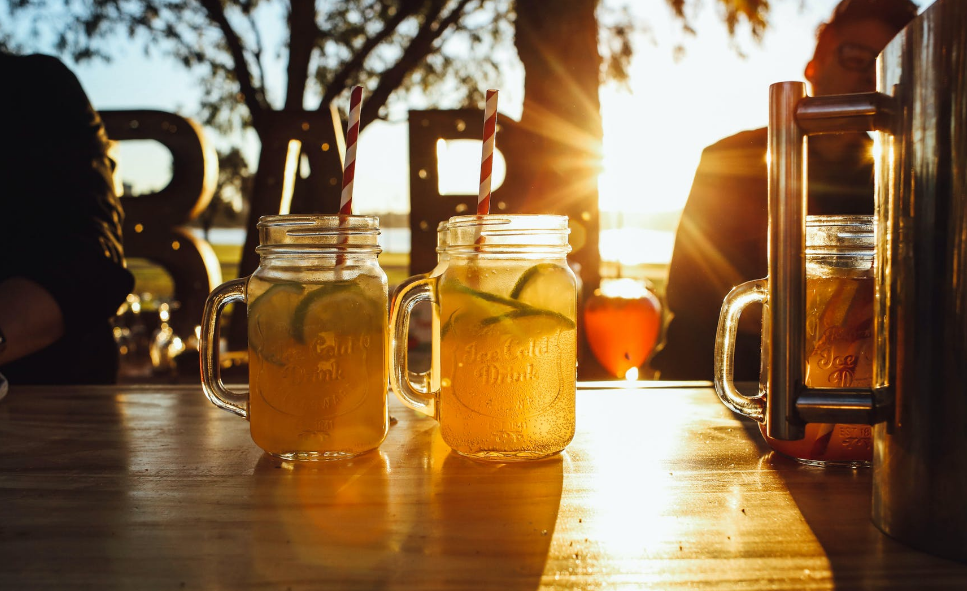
(467,306)
(269,321)
(341,307)
(546,286)
(483,299)
(530,317)
(479,310)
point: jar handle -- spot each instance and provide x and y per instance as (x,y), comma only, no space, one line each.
(211,376)
(410,387)
(725,336)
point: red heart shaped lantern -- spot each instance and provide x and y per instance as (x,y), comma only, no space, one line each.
(622,325)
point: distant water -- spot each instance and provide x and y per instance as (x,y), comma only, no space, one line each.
(391,239)
(637,246)
(632,246)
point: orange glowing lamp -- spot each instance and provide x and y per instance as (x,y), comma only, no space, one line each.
(622,321)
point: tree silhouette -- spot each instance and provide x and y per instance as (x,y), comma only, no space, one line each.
(444,48)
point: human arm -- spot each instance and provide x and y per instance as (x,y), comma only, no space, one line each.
(30,318)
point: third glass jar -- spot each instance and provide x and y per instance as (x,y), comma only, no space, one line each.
(839,347)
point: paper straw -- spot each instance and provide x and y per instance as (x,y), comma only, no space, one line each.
(487,153)
(352,134)
(349,169)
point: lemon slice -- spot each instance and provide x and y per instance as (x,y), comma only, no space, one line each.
(270,321)
(839,303)
(547,286)
(486,296)
(341,307)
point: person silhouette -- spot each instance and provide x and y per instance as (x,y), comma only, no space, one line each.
(721,238)
(62,268)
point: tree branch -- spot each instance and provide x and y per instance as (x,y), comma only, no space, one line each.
(355,63)
(257,52)
(254,98)
(415,52)
(302,38)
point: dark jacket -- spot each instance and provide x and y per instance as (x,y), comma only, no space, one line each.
(60,219)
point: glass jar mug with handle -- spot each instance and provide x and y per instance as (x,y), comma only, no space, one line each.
(839,345)
(507,339)
(317,338)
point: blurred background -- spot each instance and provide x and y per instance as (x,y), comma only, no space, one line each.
(633,91)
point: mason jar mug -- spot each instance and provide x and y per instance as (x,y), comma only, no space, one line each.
(507,338)
(839,345)
(317,320)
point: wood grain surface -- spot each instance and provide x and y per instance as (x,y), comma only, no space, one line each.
(662,488)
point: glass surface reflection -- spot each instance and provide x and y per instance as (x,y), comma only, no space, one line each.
(633,499)
(393,517)
(471,503)
(335,516)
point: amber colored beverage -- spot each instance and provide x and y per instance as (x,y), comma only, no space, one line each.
(840,348)
(507,356)
(317,366)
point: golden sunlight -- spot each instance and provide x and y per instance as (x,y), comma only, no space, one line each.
(650,174)
(633,492)
(624,287)
(458,167)
(637,246)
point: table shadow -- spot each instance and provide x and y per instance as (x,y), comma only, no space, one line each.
(835,503)
(318,522)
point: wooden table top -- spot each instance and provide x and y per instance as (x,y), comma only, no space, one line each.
(154,488)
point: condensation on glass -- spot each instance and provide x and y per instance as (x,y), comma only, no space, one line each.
(317,320)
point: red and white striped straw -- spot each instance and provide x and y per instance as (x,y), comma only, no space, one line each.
(352,134)
(487,153)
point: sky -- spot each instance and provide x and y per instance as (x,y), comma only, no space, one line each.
(654,131)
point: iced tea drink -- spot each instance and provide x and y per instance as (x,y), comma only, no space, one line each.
(317,319)
(507,351)
(840,350)
(507,338)
(317,366)
(839,340)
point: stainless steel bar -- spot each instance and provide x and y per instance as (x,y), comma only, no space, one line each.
(870,111)
(787,269)
(836,406)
